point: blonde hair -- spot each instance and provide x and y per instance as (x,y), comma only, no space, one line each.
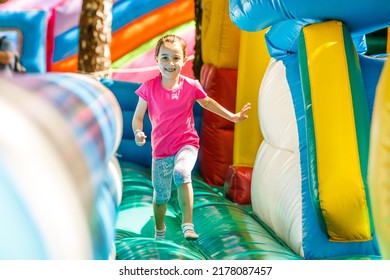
(171,39)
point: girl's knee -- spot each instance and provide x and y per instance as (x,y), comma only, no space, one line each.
(160,199)
(181,176)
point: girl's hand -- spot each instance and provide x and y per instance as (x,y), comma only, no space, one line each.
(240,116)
(140,138)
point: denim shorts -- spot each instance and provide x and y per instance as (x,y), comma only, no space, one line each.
(178,167)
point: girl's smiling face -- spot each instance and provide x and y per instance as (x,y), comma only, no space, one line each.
(170,60)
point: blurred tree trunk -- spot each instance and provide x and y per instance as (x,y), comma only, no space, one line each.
(198,62)
(94,55)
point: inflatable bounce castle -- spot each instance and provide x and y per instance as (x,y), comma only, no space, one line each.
(305,177)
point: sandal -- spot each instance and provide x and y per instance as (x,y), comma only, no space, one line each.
(159,234)
(189,232)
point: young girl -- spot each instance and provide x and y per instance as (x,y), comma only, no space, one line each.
(170,98)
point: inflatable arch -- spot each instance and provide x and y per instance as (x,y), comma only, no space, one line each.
(309,182)
(30,27)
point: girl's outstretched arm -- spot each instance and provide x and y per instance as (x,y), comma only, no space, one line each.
(213,106)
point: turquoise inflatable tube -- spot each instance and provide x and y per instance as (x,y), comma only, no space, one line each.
(60,179)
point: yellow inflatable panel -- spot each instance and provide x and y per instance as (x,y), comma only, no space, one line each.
(340,185)
(379,163)
(220,37)
(253,62)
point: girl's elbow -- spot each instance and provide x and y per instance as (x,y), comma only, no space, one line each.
(204,103)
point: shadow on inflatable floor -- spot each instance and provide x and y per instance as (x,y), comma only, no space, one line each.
(227,231)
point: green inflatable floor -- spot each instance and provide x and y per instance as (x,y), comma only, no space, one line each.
(227,231)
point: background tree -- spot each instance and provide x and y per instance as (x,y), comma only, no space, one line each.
(198,62)
(94,56)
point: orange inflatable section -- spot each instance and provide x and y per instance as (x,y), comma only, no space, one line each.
(217,133)
(140,31)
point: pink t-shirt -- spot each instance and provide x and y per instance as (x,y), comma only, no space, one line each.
(171,114)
